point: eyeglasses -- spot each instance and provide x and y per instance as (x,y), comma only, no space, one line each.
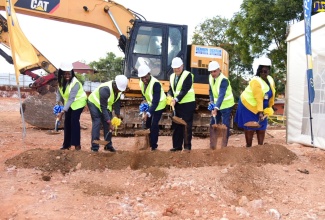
(265,71)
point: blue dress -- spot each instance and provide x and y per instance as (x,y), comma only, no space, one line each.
(243,115)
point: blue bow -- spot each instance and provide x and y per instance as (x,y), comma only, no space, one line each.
(211,106)
(57,109)
(144,107)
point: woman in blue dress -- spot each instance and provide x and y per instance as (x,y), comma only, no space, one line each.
(257,96)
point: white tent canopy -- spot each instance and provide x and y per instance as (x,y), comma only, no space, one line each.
(297,108)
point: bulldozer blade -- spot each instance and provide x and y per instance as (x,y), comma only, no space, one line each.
(100,142)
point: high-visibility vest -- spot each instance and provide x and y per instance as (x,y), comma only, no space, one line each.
(190,95)
(148,94)
(81,98)
(94,96)
(228,100)
(248,99)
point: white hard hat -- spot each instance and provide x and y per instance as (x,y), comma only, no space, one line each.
(66,66)
(143,70)
(121,82)
(177,62)
(213,65)
(263,61)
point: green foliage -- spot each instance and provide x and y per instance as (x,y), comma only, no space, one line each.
(80,77)
(259,28)
(106,68)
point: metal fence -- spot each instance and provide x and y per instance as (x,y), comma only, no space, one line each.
(9,79)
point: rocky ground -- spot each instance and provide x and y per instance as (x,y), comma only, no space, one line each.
(38,181)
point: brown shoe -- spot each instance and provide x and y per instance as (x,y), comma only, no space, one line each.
(77,147)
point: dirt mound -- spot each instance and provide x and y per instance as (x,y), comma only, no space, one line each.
(68,161)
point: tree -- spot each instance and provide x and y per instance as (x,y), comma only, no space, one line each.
(260,27)
(106,68)
(212,32)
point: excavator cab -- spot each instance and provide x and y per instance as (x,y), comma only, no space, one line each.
(151,43)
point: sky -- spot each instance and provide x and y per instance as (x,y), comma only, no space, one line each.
(60,41)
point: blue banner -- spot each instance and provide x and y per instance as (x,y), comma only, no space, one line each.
(310,80)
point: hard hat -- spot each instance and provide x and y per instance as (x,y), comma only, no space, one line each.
(264,61)
(213,65)
(143,70)
(66,66)
(177,62)
(121,82)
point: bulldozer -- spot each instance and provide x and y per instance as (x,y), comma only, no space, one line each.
(142,41)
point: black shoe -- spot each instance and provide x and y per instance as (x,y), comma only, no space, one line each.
(153,149)
(187,150)
(65,148)
(175,149)
(77,147)
(111,149)
(94,150)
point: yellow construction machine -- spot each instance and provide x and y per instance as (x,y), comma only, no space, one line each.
(142,41)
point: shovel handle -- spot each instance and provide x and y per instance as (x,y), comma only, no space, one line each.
(173,108)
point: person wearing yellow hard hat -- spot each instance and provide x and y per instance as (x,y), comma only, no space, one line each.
(181,89)
(221,100)
(74,98)
(255,102)
(153,93)
(101,103)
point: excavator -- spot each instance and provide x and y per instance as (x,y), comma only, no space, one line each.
(142,41)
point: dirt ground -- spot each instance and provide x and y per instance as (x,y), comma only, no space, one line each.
(39,181)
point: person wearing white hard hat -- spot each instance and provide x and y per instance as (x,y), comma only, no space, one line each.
(101,103)
(153,93)
(72,95)
(183,99)
(222,100)
(256,103)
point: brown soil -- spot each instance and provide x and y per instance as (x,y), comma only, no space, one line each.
(39,181)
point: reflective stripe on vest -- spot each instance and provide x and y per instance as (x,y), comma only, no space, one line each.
(190,95)
(248,93)
(228,100)
(81,97)
(148,94)
(94,96)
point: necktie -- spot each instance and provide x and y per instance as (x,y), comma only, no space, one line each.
(176,80)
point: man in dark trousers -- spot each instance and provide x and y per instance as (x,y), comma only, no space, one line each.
(155,96)
(181,89)
(100,104)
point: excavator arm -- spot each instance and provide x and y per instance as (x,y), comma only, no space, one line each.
(92,13)
(105,15)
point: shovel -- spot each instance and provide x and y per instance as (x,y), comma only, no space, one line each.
(103,142)
(176,119)
(254,124)
(56,127)
(144,131)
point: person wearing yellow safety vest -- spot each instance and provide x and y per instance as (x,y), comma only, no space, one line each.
(222,98)
(257,96)
(155,96)
(181,89)
(72,95)
(100,104)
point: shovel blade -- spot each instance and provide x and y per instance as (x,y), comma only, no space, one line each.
(100,142)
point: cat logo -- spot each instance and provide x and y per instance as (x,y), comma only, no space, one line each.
(39,5)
